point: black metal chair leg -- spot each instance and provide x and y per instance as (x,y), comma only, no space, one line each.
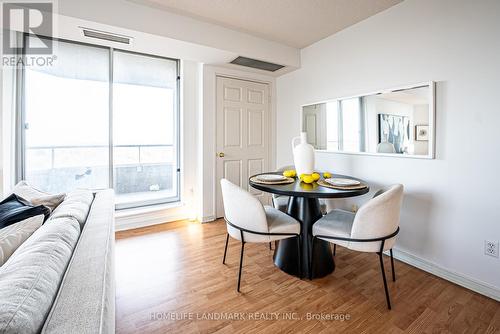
(311,263)
(241,265)
(225,249)
(270,248)
(385,281)
(334,249)
(299,250)
(392,267)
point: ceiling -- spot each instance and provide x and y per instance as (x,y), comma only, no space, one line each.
(296,23)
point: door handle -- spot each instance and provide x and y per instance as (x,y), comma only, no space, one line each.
(221,155)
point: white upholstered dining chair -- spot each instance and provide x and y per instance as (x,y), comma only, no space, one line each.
(280,202)
(247,220)
(372,229)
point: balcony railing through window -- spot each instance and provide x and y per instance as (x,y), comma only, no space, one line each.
(139,170)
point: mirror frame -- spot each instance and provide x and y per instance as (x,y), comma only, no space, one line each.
(432,121)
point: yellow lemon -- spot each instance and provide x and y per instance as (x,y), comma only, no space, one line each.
(327,175)
(308,179)
(302,176)
(315,176)
(288,173)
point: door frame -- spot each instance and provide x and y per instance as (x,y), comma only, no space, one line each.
(210,73)
(268,129)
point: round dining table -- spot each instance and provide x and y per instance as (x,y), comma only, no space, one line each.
(304,206)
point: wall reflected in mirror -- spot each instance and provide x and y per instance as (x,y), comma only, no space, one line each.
(398,121)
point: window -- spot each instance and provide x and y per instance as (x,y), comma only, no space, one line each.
(346,124)
(332,120)
(66,120)
(101,117)
(351,122)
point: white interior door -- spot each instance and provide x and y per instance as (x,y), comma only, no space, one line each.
(243,134)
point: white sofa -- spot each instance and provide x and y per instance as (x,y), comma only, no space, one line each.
(61,279)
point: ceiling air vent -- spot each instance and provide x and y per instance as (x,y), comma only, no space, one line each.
(258,64)
(107,36)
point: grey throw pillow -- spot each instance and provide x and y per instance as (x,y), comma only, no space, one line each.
(12,236)
(50,201)
(38,197)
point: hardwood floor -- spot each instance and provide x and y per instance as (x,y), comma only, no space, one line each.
(170,278)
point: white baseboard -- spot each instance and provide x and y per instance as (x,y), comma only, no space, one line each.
(430,267)
(208,219)
(127,222)
(142,217)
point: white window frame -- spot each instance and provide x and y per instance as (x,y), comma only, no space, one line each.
(20,153)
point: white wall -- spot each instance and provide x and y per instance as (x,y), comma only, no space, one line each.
(446,217)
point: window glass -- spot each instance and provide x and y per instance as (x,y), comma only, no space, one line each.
(145,132)
(66,120)
(351,110)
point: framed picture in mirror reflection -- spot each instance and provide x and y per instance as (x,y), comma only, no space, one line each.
(395,130)
(422,132)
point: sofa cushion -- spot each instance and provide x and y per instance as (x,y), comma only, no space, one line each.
(12,236)
(38,197)
(337,223)
(280,222)
(13,209)
(76,205)
(30,279)
(81,196)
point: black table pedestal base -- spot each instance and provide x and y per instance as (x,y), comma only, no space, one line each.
(307,211)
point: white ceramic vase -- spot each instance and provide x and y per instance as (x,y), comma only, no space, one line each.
(303,155)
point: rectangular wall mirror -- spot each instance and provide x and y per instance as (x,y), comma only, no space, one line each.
(395,122)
